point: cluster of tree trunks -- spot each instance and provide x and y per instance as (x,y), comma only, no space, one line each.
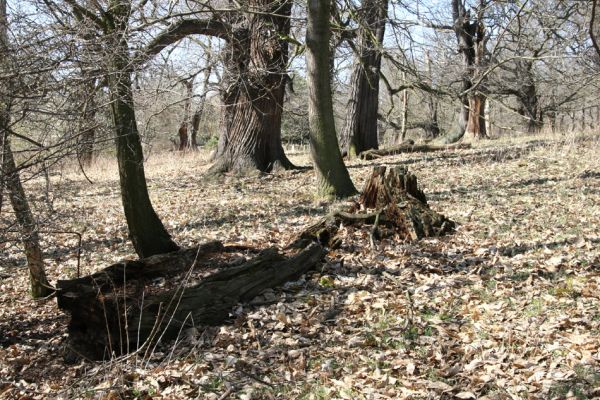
(409,147)
(119,309)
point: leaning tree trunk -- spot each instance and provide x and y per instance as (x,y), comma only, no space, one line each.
(333,179)
(11,179)
(252,91)
(29,231)
(146,230)
(360,132)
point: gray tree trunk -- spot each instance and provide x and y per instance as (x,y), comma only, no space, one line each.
(360,131)
(470,36)
(146,230)
(10,177)
(333,179)
(252,91)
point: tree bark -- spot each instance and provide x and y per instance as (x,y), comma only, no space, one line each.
(146,230)
(471,38)
(396,207)
(10,177)
(186,124)
(202,103)
(404,122)
(252,91)
(87,136)
(476,126)
(29,231)
(119,309)
(360,131)
(332,176)
(528,97)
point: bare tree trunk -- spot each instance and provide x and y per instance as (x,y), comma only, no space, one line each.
(87,134)
(404,121)
(476,127)
(29,231)
(146,230)
(252,91)
(10,177)
(470,35)
(333,179)
(186,125)
(202,103)
(360,132)
(432,127)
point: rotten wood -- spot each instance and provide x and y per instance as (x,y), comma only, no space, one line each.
(120,309)
(392,203)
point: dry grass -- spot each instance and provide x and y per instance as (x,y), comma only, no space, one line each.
(508,307)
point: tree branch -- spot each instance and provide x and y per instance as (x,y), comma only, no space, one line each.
(183,28)
(85,13)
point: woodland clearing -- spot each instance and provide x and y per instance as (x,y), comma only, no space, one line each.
(505,308)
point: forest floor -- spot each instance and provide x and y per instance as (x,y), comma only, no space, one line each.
(508,307)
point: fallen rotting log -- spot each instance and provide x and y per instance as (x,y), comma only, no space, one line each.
(409,147)
(391,203)
(135,304)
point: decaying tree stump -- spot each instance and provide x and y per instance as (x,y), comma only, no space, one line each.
(410,147)
(392,203)
(126,306)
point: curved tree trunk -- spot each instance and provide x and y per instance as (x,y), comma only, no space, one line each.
(146,230)
(333,179)
(253,91)
(10,177)
(29,231)
(360,132)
